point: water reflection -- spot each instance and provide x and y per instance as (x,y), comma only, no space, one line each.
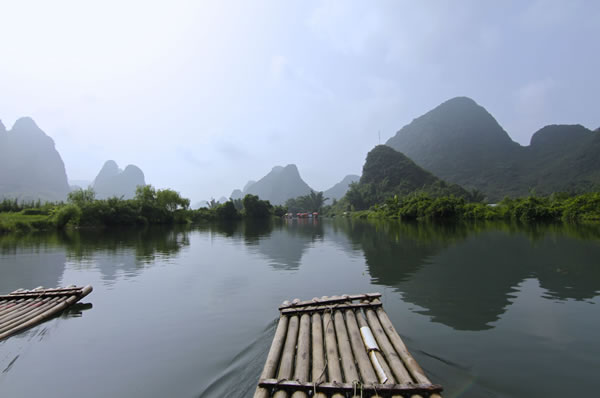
(39,259)
(465,275)
(282,242)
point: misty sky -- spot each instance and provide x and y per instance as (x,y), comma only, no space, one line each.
(204,96)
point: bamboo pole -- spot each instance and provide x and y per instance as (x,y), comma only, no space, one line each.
(411,365)
(7,305)
(362,322)
(333,358)
(273,356)
(425,390)
(365,366)
(319,372)
(32,313)
(20,310)
(331,300)
(15,307)
(302,355)
(341,306)
(47,314)
(402,375)
(350,373)
(287,358)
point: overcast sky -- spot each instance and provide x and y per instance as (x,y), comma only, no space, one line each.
(204,96)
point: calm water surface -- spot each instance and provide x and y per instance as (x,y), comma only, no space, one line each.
(487,310)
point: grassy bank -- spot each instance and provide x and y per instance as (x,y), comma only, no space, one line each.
(148,207)
(19,222)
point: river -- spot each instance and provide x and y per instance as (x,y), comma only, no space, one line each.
(488,310)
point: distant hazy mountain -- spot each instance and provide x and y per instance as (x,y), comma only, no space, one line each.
(30,166)
(112,181)
(339,190)
(459,141)
(387,173)
(237,194)
(80,184)
(281,184)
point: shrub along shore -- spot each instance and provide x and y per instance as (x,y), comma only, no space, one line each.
(149,206)
(420,206)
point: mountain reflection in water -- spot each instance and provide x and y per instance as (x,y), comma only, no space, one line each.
(191,310)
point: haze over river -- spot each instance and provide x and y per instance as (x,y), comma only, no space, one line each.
(488,310)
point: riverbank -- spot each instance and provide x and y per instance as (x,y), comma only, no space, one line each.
(557,207)
(148,207)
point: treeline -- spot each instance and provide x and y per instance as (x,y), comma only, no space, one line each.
(149,206)
(312,202)
(556,207)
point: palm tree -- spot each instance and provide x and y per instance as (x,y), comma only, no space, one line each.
(315,201)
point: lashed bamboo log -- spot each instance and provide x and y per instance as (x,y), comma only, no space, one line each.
(48,313)
(8,305)
(395,362)
(380,358)
(333,358)
(273,356)
(340,306)
(350,373)
(318,370)
(42,292)
(29,313)
(411,365)
(428,390)
(303,354)
(365,366)
(287,358)
(16,307)
(331,300)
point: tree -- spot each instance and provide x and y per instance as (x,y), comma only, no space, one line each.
(227,211)
(256,208)
(213,203)
(171,200)
(80,197)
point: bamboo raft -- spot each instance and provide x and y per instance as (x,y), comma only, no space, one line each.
(23,309)
(338,347)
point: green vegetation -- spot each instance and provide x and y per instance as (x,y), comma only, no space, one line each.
(312,202)
(421,206)
(388,173)
(462,143)
(149,206)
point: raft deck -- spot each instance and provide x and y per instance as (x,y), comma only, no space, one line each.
(23,309)
(338,347)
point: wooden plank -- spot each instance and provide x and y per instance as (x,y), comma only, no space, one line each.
(385,389)
(331,300)
(350,371)
(290,311)
(395,361)
(411,364)
(365,367)
(273,357)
